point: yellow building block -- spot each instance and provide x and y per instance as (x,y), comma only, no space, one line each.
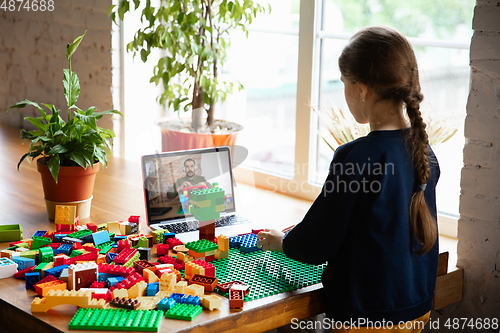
(120,293)
(65,214)
(48,266)
(149,276)
(114,227)
(223,242)
(79,298)
(168,282)
(180,287)
(221,255)
(149,302)
(101,259)
(202,203)
(195,290)
(138,289)
(211,302)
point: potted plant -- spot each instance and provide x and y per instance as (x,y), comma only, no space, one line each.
(69,153)
(195,36)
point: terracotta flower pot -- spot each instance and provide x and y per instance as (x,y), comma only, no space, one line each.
(172,140)
(74,187)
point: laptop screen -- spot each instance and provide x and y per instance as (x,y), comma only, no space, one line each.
(168,176)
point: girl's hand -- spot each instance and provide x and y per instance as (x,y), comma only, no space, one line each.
(270,240)
(287,229)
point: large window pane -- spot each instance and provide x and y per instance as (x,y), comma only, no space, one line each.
(266,65)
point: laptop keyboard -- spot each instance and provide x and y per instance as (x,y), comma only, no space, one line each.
(187,226)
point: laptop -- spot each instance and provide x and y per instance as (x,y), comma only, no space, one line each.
(168,176)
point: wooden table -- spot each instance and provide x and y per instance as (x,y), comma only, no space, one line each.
(117,195)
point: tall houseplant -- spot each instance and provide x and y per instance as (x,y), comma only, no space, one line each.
(69,153)
(195,37)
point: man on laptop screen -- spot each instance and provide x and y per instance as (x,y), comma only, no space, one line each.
(189,180)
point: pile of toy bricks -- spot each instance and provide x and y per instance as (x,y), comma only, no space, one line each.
(102,267)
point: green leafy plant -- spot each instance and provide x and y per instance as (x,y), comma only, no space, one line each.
(78,142)
(195,36)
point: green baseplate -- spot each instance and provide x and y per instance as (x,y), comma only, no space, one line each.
(266,273)
(116,320)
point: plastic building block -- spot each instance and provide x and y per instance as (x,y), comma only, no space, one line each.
(100,237)
(183,311)
(142,242)
(208,267)
(201,246)
(40,233)
(111,281)
(180,287)
(65,215)
(149,302)
(29,254)
(128,228)
(236,299)
(144,253)
(23,262)
(80,233)
(96,284)
(193,300)
(123,244)
(152,288)
(10,232)
(7,268)
(39,242)
(116,319)
(140,265)
(158,236)
(92,227)
(125,303)
(193,268)
(166,304)
(82,275)
(71,240)
(124,256)
(138,289)
(45,254)
(128,282)
(22,273)
(114,227)
(271,273)
(173,242)
(82,299)
(115,270)
(211,302)
(168,282)
(246,242)
(178,265)
(167,235)
(177,297)
(134,219)
(162,249)
(120,293)
(195,290)
(42,289)
(149,276)
(224,287)
(31,279)
(223,243)
(208,282)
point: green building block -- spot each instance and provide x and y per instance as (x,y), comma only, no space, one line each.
(75,253)
(45,254)
(201,246)
(80,233)
(105,249)
(131,261)
(11,233)
(116,320)
(266,273)
(25,245)
(101,227)
(183,311)
(29,254)
(142,242)
(39,242)
(40,267)
(158,234)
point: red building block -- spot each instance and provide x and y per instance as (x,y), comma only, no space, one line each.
(123,244)
(209,268)
(173,242)
(21,274)
(96,284)
(134,219)
(236,299)
(124,256)
(178,264)
(162,249)
(128,282)
(116,270)
(91,256)
(55,246)
(92,226)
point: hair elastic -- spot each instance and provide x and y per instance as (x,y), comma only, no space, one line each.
(422,186)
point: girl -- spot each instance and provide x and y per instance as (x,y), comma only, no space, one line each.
(375,219)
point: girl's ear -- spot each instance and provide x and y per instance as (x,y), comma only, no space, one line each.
(364,91)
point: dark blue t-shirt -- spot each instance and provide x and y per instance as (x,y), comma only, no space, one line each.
(359,224)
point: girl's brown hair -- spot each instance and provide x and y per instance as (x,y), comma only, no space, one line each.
(383,59)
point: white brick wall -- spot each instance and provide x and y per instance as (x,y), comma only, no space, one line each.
(32,58)
(479,224)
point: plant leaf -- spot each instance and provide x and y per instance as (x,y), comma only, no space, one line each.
(71,87)
(78,158)
(21,160)
(57,149)
(73,46)
(37,122)
(54,163)
(25,103)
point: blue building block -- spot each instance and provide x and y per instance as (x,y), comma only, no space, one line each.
(246,243)
(111,281)
(166,304)
(58,238)
(65,248)
(119,238)
(31,279)
(167,235)
(23,262)
(40,233)
(177,297)
(152,288)
(110,256)
(193,300)
(100,237)
(104,276)
(55,271)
